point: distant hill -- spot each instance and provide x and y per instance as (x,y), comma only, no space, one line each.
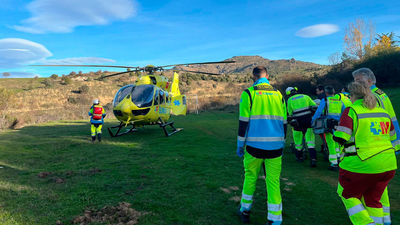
(245,65)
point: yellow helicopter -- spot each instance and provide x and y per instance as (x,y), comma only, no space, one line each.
(151,100)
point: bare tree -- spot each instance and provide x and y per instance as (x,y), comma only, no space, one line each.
(334,58)
(358,37)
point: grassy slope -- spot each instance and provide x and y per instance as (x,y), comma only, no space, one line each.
(177,179)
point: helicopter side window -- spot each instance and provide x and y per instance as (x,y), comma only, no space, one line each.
(156,97)
(153,80)
(122,93)
(142,95)
(168,97)
(162,97)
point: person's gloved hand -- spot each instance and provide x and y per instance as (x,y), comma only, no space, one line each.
(240,151)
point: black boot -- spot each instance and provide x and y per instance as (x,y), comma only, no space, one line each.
(313,157)
(299,155)
(99,137)
(93,138)
(334,167)
(244,216)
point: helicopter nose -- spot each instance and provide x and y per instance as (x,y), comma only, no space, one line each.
(126,109)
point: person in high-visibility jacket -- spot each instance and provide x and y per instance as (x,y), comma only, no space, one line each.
(332,107)
(97,114)
(366,132)
(261,139)
(300,111)
(367,77)
(345,93)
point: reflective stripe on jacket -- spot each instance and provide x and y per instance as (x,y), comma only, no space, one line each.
(262,118)
(334,107)
(300,105)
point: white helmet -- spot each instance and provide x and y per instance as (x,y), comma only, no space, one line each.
(96,102)
(289,90)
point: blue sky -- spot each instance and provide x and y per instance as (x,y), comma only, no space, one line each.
(135,32)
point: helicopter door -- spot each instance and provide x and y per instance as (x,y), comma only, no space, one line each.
(178,104)
(156,98)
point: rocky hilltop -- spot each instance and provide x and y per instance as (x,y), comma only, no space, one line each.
(245,64)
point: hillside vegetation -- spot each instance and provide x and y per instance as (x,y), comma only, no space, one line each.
(36,100)
(276,68)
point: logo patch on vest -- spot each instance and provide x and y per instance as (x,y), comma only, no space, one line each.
(265,93)
(379,92)
(378,128)
(298,97)
(264,88)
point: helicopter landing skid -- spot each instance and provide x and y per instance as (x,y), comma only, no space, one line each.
(117,134)
(171,124)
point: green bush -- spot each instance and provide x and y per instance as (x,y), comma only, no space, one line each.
(385,66)
(54,76)
(47,83)
(66,80)
(84,89)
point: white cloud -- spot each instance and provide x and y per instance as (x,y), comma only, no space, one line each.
(15,52)
(317,30)
(62,16)
(77,61)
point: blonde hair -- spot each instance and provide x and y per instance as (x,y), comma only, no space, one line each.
(360,91)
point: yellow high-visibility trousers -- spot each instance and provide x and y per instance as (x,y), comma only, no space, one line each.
(333,147)
(96,129)
(273,167)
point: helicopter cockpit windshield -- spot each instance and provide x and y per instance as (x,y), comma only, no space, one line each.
(122,93)
(142,95)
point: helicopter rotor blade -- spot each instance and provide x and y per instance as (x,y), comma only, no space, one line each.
(114,74)
(189,71)
(202,63)
(127,67)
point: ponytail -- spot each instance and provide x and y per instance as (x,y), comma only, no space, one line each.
(360,91)
(369,101)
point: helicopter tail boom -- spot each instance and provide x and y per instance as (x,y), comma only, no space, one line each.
(175,85)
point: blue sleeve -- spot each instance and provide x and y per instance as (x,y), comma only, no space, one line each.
(319,111)
(90,114)
(397,129)
(343,108)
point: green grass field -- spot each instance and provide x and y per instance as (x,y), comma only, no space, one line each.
(193,177)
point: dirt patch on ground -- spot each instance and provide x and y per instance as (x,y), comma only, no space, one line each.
(60,178)
(226,190)
(235,198)
(234,188)
(44,174)
(122,214)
